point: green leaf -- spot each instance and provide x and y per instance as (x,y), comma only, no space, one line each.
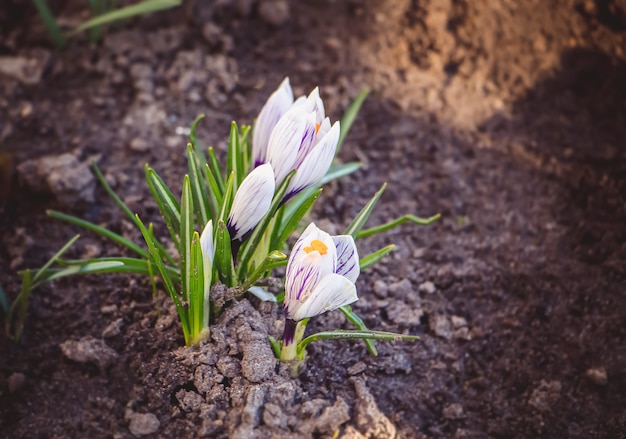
(196,288)
(395,223)
(353,334)
(375,257)
(20,305)
(275,345)
(359,221)
(216,169)
(339,170)
(55,257)
(168,205)
(223,256)
(193,138)
(291,217)
(271,259)
(186,234)
(214,193)
(167,280)
(350,116)
(57,37)
(235,165)
(100,231)
(229,196)
(359,323)
(142,8)
(198,189)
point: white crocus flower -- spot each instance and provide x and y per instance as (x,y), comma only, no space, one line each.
(295,135)
(321,273)
(252,202)
(208,253)
(276,106)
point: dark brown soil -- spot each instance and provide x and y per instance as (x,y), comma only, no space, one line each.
(508,118)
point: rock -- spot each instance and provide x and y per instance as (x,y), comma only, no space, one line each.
(138,144)
(368,418)
(403,314)
(26,70)
(89,350)
(258,362)
(458,322)
(401,288)
(441,326)
(545,395)
(357,368)
(113,329)
(274,12)
(597,375)
(427,287)
(452,411)
(189,401)
(64,176)
(141,424)
(380,288)
(16,381)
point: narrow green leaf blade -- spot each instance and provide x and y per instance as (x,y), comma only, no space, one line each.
(359,323)
(186,234)
(167,203)
(359,221)
(348,119)
(224,256)
(292,217)
(395,223)
(198,189)
(375,257)
(142,8)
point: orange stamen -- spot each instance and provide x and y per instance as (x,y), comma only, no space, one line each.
(317,127)
(317,245)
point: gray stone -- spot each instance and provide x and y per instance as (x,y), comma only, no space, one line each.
(89,350)
(274,12)
(258,362)
(142,424)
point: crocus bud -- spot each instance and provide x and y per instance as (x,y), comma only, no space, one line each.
(252,202)
(276,106)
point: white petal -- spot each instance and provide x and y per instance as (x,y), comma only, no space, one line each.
(332,291)
(285,141)
(305,245)
(347,257)
(307,264)
(252,201)
(308,140)
(316,164)
(315,103)
(276,106)
(206,244)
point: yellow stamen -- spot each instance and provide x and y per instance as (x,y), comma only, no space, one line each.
(317,245)
(317,127)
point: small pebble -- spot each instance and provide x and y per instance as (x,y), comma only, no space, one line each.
(142,424)
(357,368)
(453,411)
(16,381)
(597,375)
(427,287)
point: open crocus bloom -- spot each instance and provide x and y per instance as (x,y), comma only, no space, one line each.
(295,135)
(252,202)
(321,273)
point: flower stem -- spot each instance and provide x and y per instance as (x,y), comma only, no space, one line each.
(292,336)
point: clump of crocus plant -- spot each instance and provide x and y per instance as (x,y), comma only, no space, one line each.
(231,225)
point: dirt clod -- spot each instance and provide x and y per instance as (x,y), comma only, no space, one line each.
(89,350)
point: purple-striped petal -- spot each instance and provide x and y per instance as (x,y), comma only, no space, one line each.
(276,106)
(331,292)
(316,163)
(347,257)
(252,201)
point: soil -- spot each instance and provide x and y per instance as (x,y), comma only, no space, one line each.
(508,118)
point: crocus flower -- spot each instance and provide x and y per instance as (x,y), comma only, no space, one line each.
(252,202)
(292,135)
(303,139)
(276,106)
(321,273)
